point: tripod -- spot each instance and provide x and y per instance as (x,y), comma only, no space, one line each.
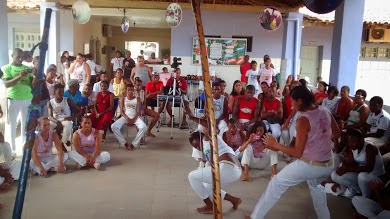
(174,95)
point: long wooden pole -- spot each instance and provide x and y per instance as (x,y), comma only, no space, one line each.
(33,115)
(217,206)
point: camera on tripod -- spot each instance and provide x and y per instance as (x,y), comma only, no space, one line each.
(175,63)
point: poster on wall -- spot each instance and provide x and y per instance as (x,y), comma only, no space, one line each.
(221,51)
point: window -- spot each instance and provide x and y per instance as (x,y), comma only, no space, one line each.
(135,48)
(25,39)
(376,53)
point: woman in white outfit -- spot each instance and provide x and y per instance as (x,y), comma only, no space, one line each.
(253,78)
(9,163)
(88,141)
(315,130)
(80,71)
(201,180)
(362,165)
(43,159)
(130,108)
(256,155)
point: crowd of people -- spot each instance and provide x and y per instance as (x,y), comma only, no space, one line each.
(337,144)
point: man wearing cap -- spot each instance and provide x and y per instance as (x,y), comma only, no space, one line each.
(153,88)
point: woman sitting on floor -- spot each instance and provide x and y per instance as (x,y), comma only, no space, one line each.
(234,136)
(42,159)
(256,155)
(102,114)
(359,113)
(87,141)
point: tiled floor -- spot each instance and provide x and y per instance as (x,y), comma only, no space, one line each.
(150,183)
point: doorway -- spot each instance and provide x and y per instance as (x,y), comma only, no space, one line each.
(310,63)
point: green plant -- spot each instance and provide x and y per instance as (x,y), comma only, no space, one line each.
(165,52)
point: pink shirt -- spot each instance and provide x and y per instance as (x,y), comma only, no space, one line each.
(164,77)
(87,142)
(318,146)
(234,140)
(44,147)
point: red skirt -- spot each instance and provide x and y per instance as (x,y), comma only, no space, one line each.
(98,123)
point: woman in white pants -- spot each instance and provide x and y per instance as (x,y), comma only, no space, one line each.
(87,142)
(42,158)
(13,166)
(315,130)
(362,165)
(255,154)
(201,180)
(130,108)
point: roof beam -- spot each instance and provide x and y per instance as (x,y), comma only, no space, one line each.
(164,5)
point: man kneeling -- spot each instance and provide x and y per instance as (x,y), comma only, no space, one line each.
(201,179)
(42,158)
(87,142)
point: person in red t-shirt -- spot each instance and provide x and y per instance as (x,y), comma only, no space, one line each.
(243,69)
(153,88)
(181,88)
(321,94)
(246,108)
(272,112)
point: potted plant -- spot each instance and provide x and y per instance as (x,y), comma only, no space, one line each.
(166,55)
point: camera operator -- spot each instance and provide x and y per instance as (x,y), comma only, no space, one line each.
(181,89)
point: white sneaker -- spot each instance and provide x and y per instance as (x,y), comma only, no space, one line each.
(349,193)
(96,165)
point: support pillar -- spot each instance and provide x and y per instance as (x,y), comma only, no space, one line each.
(53,52)
(4,50)
(291,48)
(347,34)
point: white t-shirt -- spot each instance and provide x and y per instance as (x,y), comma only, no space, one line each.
(266,75)
(150,60)
(97,88)
(92,66)
(200,73)
(380,121)
(252,79)
(117,63)
(330,104)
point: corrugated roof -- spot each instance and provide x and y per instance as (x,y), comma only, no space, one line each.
(24,4)
(375,12)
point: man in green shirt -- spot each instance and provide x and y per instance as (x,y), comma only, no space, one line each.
(17,79)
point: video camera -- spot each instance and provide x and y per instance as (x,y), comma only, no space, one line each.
(175,63)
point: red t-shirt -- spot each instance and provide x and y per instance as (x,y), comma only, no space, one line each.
(288,107)
(247,108)
(319,95)
(271,106)
(245,67)
(182,85)
(151,87)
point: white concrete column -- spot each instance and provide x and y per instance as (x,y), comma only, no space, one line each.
(66,31)
(291,48)
(4,57)
(53,52)
(347,39)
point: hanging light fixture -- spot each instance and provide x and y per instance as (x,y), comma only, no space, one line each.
(125,22)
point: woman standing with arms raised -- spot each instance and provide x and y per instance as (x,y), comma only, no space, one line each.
(315,130)
(80,71)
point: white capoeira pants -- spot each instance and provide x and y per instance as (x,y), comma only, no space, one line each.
(14,108)
(201,180)
(103,157)
(291,175)
(270,157)
(47,162)
(360,182)
(117,126)
(13,166)
(289,133)
(66,131)
(276,129)
(222,127)
(369,208)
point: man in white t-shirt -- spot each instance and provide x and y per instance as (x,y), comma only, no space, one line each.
(117,62)
(92,66)
(267,73)
(252,77)
(103,77)
(153,59)
(378,123)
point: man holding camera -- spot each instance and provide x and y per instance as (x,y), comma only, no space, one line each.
(17,78)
